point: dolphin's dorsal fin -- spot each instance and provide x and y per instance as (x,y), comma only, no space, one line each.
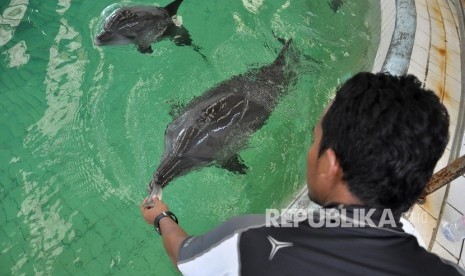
(234,164)
(172,7)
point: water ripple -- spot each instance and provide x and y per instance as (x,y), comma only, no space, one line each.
(11,18)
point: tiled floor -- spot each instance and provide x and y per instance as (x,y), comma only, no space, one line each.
(436,61)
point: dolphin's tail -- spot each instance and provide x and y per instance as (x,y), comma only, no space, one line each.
(172,7)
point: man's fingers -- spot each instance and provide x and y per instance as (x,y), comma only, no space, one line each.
(144,206)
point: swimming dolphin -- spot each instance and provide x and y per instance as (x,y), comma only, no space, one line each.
(213,128)
(142,25)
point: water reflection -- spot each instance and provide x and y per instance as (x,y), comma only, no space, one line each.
(43,205)
(16,56)
(63,82)
(11,18)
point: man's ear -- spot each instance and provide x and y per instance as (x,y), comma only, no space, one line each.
(332,165)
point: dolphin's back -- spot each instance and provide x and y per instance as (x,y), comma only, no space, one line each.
(218,124)
(132,19)
(215,127)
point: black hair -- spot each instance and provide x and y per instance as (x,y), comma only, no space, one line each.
(388,134)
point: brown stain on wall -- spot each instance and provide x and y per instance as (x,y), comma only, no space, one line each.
(436,10)
(443,95)
(438,49)
(442,52)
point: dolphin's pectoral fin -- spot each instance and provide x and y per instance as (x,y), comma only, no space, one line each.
(234,164)
(179,35)
(182,40)
(144,49)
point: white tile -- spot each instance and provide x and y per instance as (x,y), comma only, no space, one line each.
(388,5)
(441,252)
(445,11)
(453,87)
(453,64)
(388,23)
(438,49)
(417,70)
(419,55)
(387,26)
(434,10)
(449,215)
(453,43)
(451,29)
(387,11)
(437,29)
(452,128)
(438,60)
(421,10)
(435,83)
(433,202)
(443,161)
(456,17)
(388,30)
(423,25)
(423,222)
(456,196)
(453,107)
(437,66)
(422,38)
(443,4)
(453,48)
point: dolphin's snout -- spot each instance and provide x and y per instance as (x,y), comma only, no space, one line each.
(103,38)
(153,183)
(97,42)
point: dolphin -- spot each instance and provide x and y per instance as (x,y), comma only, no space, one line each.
(214,127)
(143,25)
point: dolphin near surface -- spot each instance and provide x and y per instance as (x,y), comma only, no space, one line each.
(142,25)
(214,127)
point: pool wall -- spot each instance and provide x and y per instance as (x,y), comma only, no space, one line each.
(423,38)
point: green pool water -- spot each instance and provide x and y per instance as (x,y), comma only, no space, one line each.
(82,127)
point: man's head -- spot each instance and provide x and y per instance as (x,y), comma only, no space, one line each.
(379,140)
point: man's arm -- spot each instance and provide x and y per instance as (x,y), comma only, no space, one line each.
(172,234)
(213,253)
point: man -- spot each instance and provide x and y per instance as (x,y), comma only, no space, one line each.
(374,150)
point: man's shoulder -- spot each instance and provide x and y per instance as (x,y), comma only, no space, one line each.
(217,250)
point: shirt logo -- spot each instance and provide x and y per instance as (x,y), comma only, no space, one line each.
(276,245)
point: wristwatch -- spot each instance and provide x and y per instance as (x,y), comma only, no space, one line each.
(156,223)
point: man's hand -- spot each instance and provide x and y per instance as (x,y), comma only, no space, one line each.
(150,213)
(172,233)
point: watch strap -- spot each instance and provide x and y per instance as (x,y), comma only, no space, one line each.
(156,223)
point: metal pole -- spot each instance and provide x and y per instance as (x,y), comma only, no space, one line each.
(446,175)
